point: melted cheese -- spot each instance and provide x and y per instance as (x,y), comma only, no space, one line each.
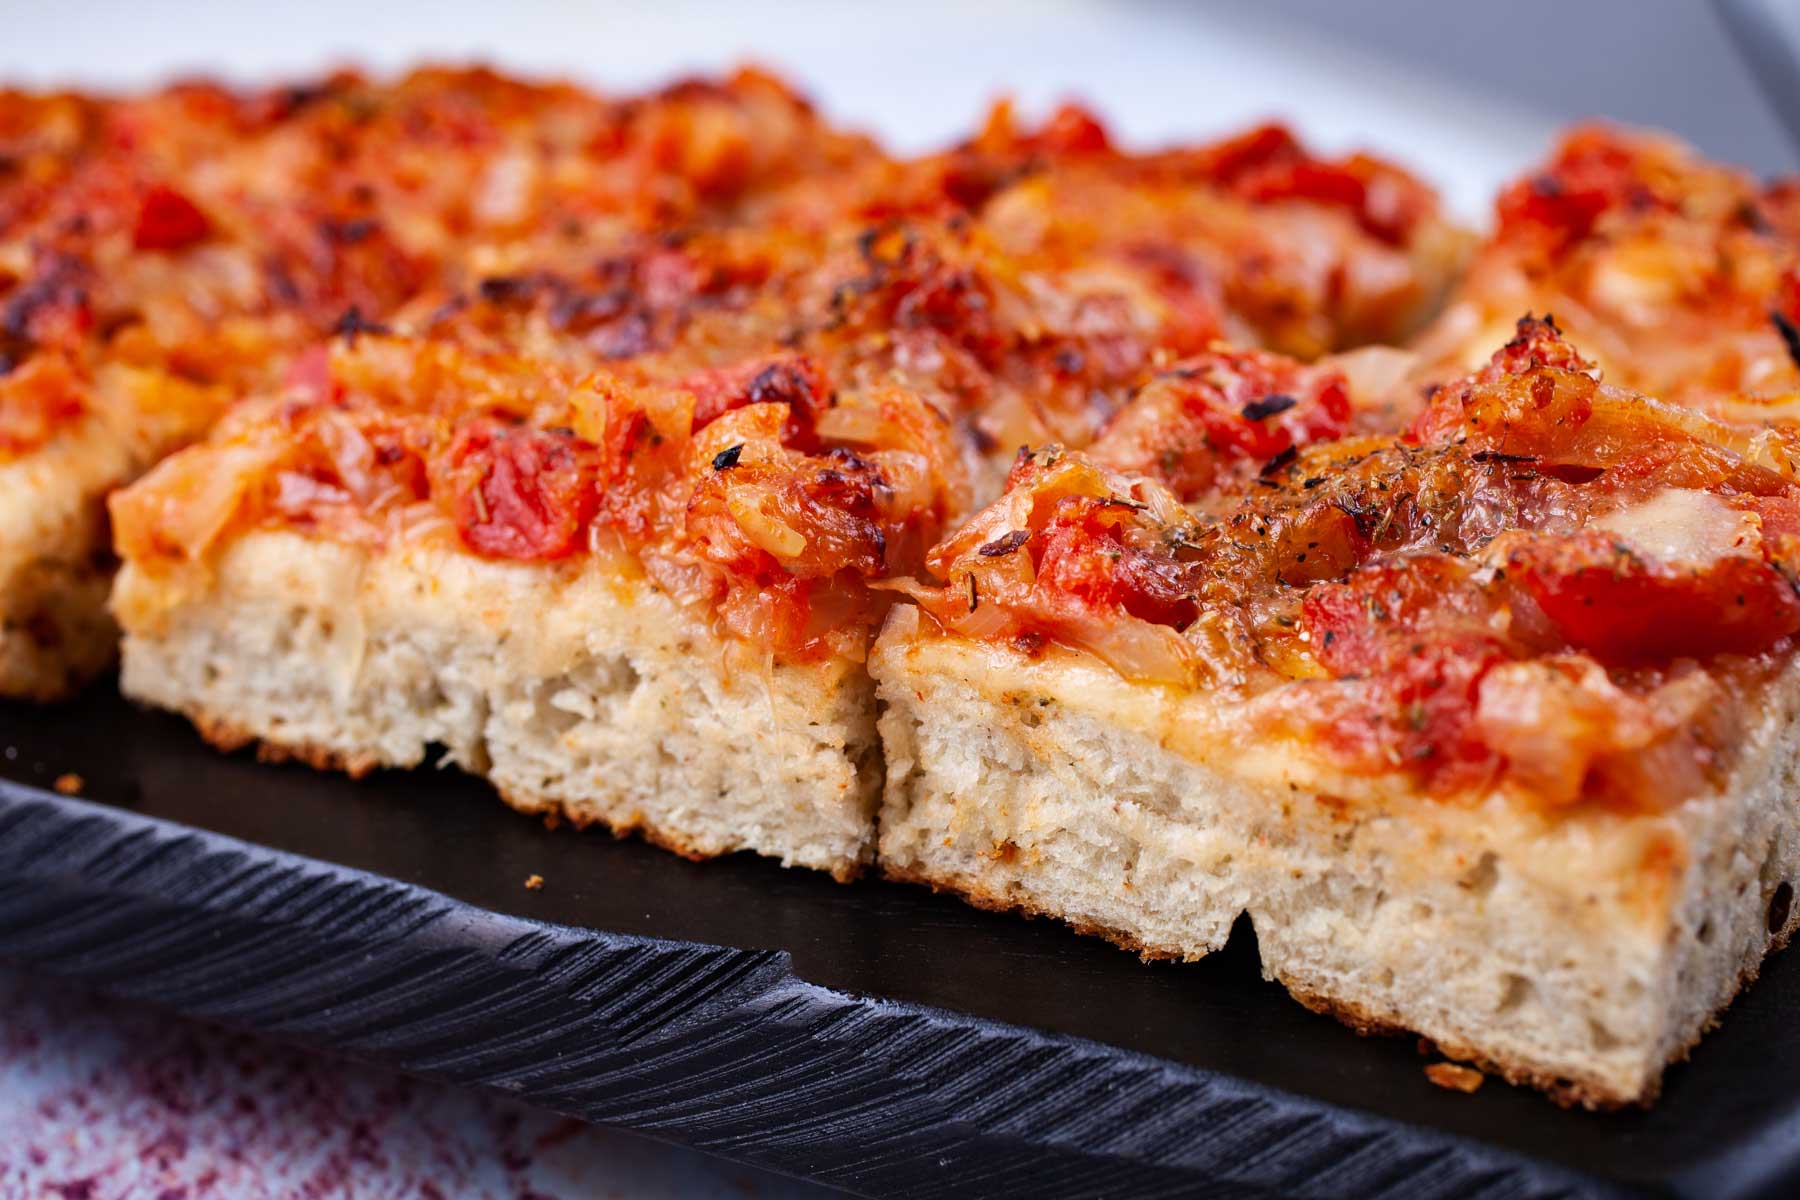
(1682,528)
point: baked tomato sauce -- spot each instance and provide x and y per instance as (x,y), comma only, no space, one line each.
(211,235)
(1680,277)
(1546,581)
(727,486)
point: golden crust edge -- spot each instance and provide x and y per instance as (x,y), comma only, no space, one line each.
(1560,1090)
(227,736)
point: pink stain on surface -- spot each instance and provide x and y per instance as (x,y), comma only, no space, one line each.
(104,1100)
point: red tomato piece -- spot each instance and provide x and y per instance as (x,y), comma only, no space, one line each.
(1084,557)
(1222,407)
(795,382)
(522,493)
(1072,129)
(168,220)
(1594,172)
(1413,637)
(1626,610)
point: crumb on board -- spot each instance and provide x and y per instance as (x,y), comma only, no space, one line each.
(68,784)
(1454,1076)
(534,882)
(552,820)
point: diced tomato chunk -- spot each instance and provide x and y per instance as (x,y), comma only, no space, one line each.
(1084,557)
(1626,610)
(1222,407)
(1412,641)
(1594,172)
(1233,159)
(522,493)
(793,381)
(1376,618)
(168,220)
(1072,129)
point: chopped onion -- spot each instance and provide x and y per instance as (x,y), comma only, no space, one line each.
(1135,649)
(748,507)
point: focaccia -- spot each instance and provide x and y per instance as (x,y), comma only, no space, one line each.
(1489,727)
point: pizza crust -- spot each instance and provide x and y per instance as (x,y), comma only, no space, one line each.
(576,691)
(56,561)
(1577,953)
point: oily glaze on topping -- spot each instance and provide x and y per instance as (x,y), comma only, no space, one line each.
(758,360)
(200,237)
(1548,581)
(1680,277)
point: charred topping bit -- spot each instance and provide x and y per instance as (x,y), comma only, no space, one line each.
(1790,335)
(502,289)
(1005,545)
(350,232)
(353,324)
(727,458)
(1497,456)
(974,594)
(1280,462)
(1268,406)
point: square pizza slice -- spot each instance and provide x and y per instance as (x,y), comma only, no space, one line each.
(1679,277)
(1489,728)
(163,254)
(626,602)
(711,449)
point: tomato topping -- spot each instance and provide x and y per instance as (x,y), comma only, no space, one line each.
(1626,610)
(794,381)
(1223,408)
(36,399)
(1413,639)
(168,220)
(1072,129)
(1595,171)
(1529,400)
(1269,164)
(1081,554)
(1376,617)
(521,493)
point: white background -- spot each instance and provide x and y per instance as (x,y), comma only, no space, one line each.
(918,74)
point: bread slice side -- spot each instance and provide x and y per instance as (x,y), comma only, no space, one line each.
(1578,954)
(56,562)
(575,691)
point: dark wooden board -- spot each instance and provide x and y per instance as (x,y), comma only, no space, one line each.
(873,1036)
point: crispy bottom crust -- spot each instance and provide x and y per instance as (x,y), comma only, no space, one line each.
(1568,1093)
(229,737)
(55,632)
(605,710)
(988,900)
